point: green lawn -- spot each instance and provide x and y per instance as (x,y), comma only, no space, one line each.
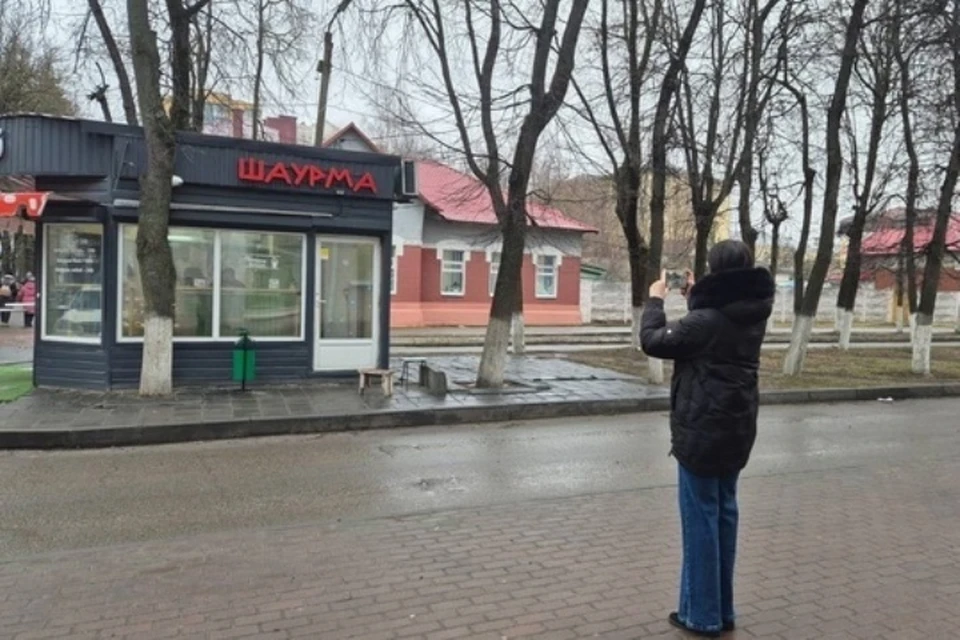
(15,380)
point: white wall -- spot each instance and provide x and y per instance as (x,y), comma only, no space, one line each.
(609,302)
(408,222)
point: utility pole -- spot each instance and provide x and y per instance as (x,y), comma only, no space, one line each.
(324,67)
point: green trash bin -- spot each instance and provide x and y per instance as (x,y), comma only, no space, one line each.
(244,360)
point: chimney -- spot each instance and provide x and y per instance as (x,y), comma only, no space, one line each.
(285,128)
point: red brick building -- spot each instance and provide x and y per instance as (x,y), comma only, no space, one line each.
(883,242)
(446,254)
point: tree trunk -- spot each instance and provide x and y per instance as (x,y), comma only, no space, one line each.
(849,284)
(157,270)
(180,55)
(628,199)
(518,335)
(509,279)
(202,71)
(258,75)
(704,224)
(775,250)
(803,325)
(923,329)
(119,68)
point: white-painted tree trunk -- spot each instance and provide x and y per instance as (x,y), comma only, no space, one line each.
(655,370)
(518,336)
(494,360)
(846,328)
(156,372)
(799,340)
(922,341)
(913,327)
(636,320)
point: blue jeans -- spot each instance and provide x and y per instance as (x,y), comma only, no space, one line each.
(709,518)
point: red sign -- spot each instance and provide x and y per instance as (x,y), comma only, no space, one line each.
(32,204)
(299,175)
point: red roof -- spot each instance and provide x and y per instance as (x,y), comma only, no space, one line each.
(458,197)
(887,241)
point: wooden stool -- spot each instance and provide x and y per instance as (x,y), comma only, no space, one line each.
(384,375)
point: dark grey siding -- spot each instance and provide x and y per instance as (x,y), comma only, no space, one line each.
(65,364)
(35,145)
(212,363)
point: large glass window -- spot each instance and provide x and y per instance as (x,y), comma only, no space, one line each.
(193,255)
(260,284)
(452,270)
(346,290)
(72,281)
(226,281)
(494,271)
(546,276)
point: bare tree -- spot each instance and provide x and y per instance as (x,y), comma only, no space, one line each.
(936,249)
(775,211)
(157,270)
(495,133)
(669,87)
(116,59)
(760,84)
(618,126)
(875,74)
(803,324)
(718,123)
(905,54)
(30,76)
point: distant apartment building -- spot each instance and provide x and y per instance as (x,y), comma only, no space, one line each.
(224,115)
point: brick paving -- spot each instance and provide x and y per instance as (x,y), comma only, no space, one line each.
(849,553)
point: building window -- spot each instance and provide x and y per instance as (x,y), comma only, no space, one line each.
(452,272)
(226,281)
(494,271)
(261,284)
(546,276)
(72,282)
(193,255)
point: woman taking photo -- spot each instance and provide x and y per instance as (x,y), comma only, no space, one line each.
(713,419)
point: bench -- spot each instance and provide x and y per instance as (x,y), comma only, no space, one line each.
(14,308)
(367,376)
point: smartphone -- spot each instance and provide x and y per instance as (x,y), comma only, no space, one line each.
(676,280)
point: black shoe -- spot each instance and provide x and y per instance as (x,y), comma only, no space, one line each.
(674,620)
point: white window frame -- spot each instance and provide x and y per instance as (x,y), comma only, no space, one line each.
(441,250)
(217,277)
(41,295)
(538,270)
(494,271)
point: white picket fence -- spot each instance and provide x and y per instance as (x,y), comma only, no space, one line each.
(604,302)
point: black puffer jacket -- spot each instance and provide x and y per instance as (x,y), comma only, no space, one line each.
(716,349)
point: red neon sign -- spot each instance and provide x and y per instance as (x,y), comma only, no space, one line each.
(298,175)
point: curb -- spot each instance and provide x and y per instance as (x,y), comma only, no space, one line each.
(105,437)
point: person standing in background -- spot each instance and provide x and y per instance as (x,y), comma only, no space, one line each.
(28,296)
(714,399)
(8,293)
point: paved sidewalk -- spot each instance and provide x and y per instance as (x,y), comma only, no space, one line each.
(866,552)
(550,387)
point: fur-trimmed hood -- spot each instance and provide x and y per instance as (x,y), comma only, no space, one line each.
(743,295)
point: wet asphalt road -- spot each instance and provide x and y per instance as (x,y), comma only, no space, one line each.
(66,500)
